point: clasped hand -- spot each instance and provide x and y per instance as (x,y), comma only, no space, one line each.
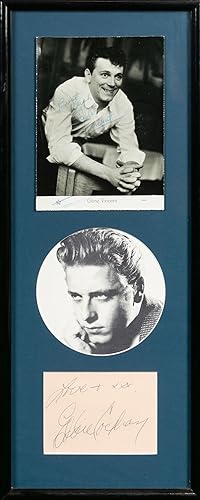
(125,176)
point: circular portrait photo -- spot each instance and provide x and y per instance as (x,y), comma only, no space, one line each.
(100,291)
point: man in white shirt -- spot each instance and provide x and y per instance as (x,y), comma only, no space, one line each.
(83,108)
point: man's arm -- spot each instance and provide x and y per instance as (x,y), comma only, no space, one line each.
(123,133)
(125,178)
(58,128)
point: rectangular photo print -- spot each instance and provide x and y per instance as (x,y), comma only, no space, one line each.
(100,130)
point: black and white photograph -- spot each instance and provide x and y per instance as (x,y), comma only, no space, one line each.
(100,131)
(100,291)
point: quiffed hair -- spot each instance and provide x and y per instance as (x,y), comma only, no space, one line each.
(100,246)
(115,56)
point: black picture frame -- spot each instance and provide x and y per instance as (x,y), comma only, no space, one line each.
(7,7)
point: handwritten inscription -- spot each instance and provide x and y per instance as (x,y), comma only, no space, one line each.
(100,413)
(84,110)
(73,424)
(73,387)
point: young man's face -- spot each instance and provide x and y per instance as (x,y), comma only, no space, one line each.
(104,81)
(102,301)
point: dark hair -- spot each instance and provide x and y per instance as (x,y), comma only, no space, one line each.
(115,56)
(100,246)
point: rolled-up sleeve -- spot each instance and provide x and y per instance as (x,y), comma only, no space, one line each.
(58,128)
(123,133)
